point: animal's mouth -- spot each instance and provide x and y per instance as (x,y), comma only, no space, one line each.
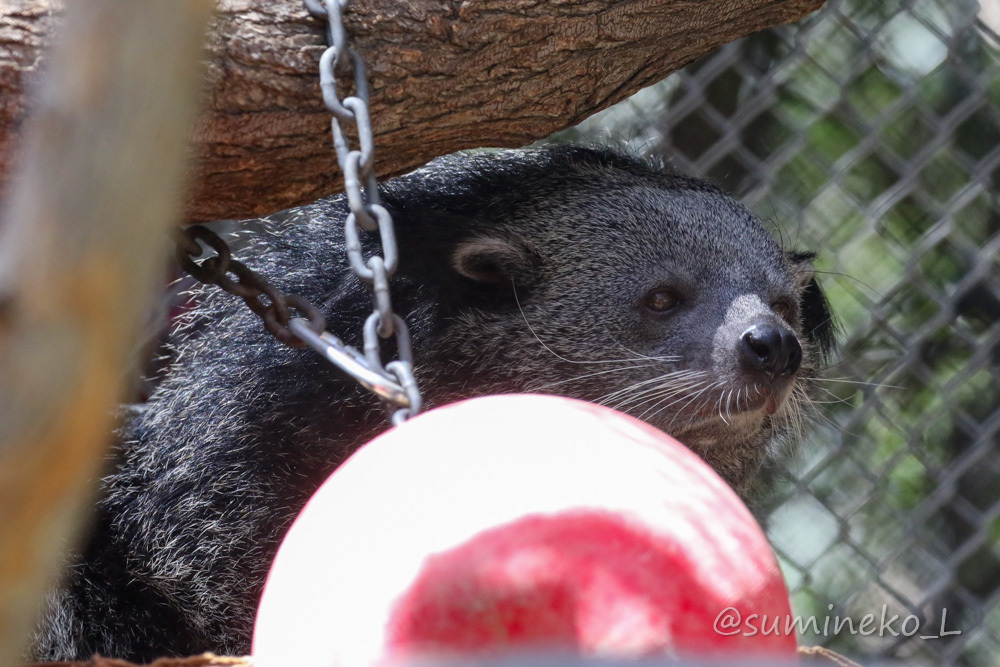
(755,399)
(702,413)
(734,418)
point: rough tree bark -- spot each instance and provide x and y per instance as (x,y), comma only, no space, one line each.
(446,75)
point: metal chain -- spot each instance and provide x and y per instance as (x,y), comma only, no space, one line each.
(250,286)
(393,382)
(361,187)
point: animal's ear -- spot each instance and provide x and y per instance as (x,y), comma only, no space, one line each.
(803,270)
(818,324)
(495,263)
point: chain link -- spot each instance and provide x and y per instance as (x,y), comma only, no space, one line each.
(249,286)
(361,188)
(393,382)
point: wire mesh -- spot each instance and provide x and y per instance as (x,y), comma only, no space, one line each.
(871,133)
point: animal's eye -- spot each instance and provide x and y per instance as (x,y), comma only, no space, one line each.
(661,300)
(783,309)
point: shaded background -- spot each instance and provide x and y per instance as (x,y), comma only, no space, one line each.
(870,132)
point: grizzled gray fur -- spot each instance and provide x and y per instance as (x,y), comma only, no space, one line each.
(564,270)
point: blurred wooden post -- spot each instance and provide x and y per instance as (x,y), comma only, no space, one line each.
(82,249)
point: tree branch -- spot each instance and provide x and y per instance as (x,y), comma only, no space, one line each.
(445,75)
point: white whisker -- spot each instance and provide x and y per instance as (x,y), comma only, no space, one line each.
(673,387)
(666,377)
(588,375)
(857,382)
(667,395)
(575,361)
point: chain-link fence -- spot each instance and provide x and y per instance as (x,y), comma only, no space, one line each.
(871,133)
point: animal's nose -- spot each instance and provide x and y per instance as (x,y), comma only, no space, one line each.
(770,348)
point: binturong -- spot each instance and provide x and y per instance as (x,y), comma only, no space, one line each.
(565,270)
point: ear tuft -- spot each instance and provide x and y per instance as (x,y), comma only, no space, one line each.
(494,262)
(818,323)
(802,267)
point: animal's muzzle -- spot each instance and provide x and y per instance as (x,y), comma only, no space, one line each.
(771,349)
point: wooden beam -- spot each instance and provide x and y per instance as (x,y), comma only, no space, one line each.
(445,74)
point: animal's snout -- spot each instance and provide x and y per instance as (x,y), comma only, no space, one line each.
(770,348)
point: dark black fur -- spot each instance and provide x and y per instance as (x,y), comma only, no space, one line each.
(519,270)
